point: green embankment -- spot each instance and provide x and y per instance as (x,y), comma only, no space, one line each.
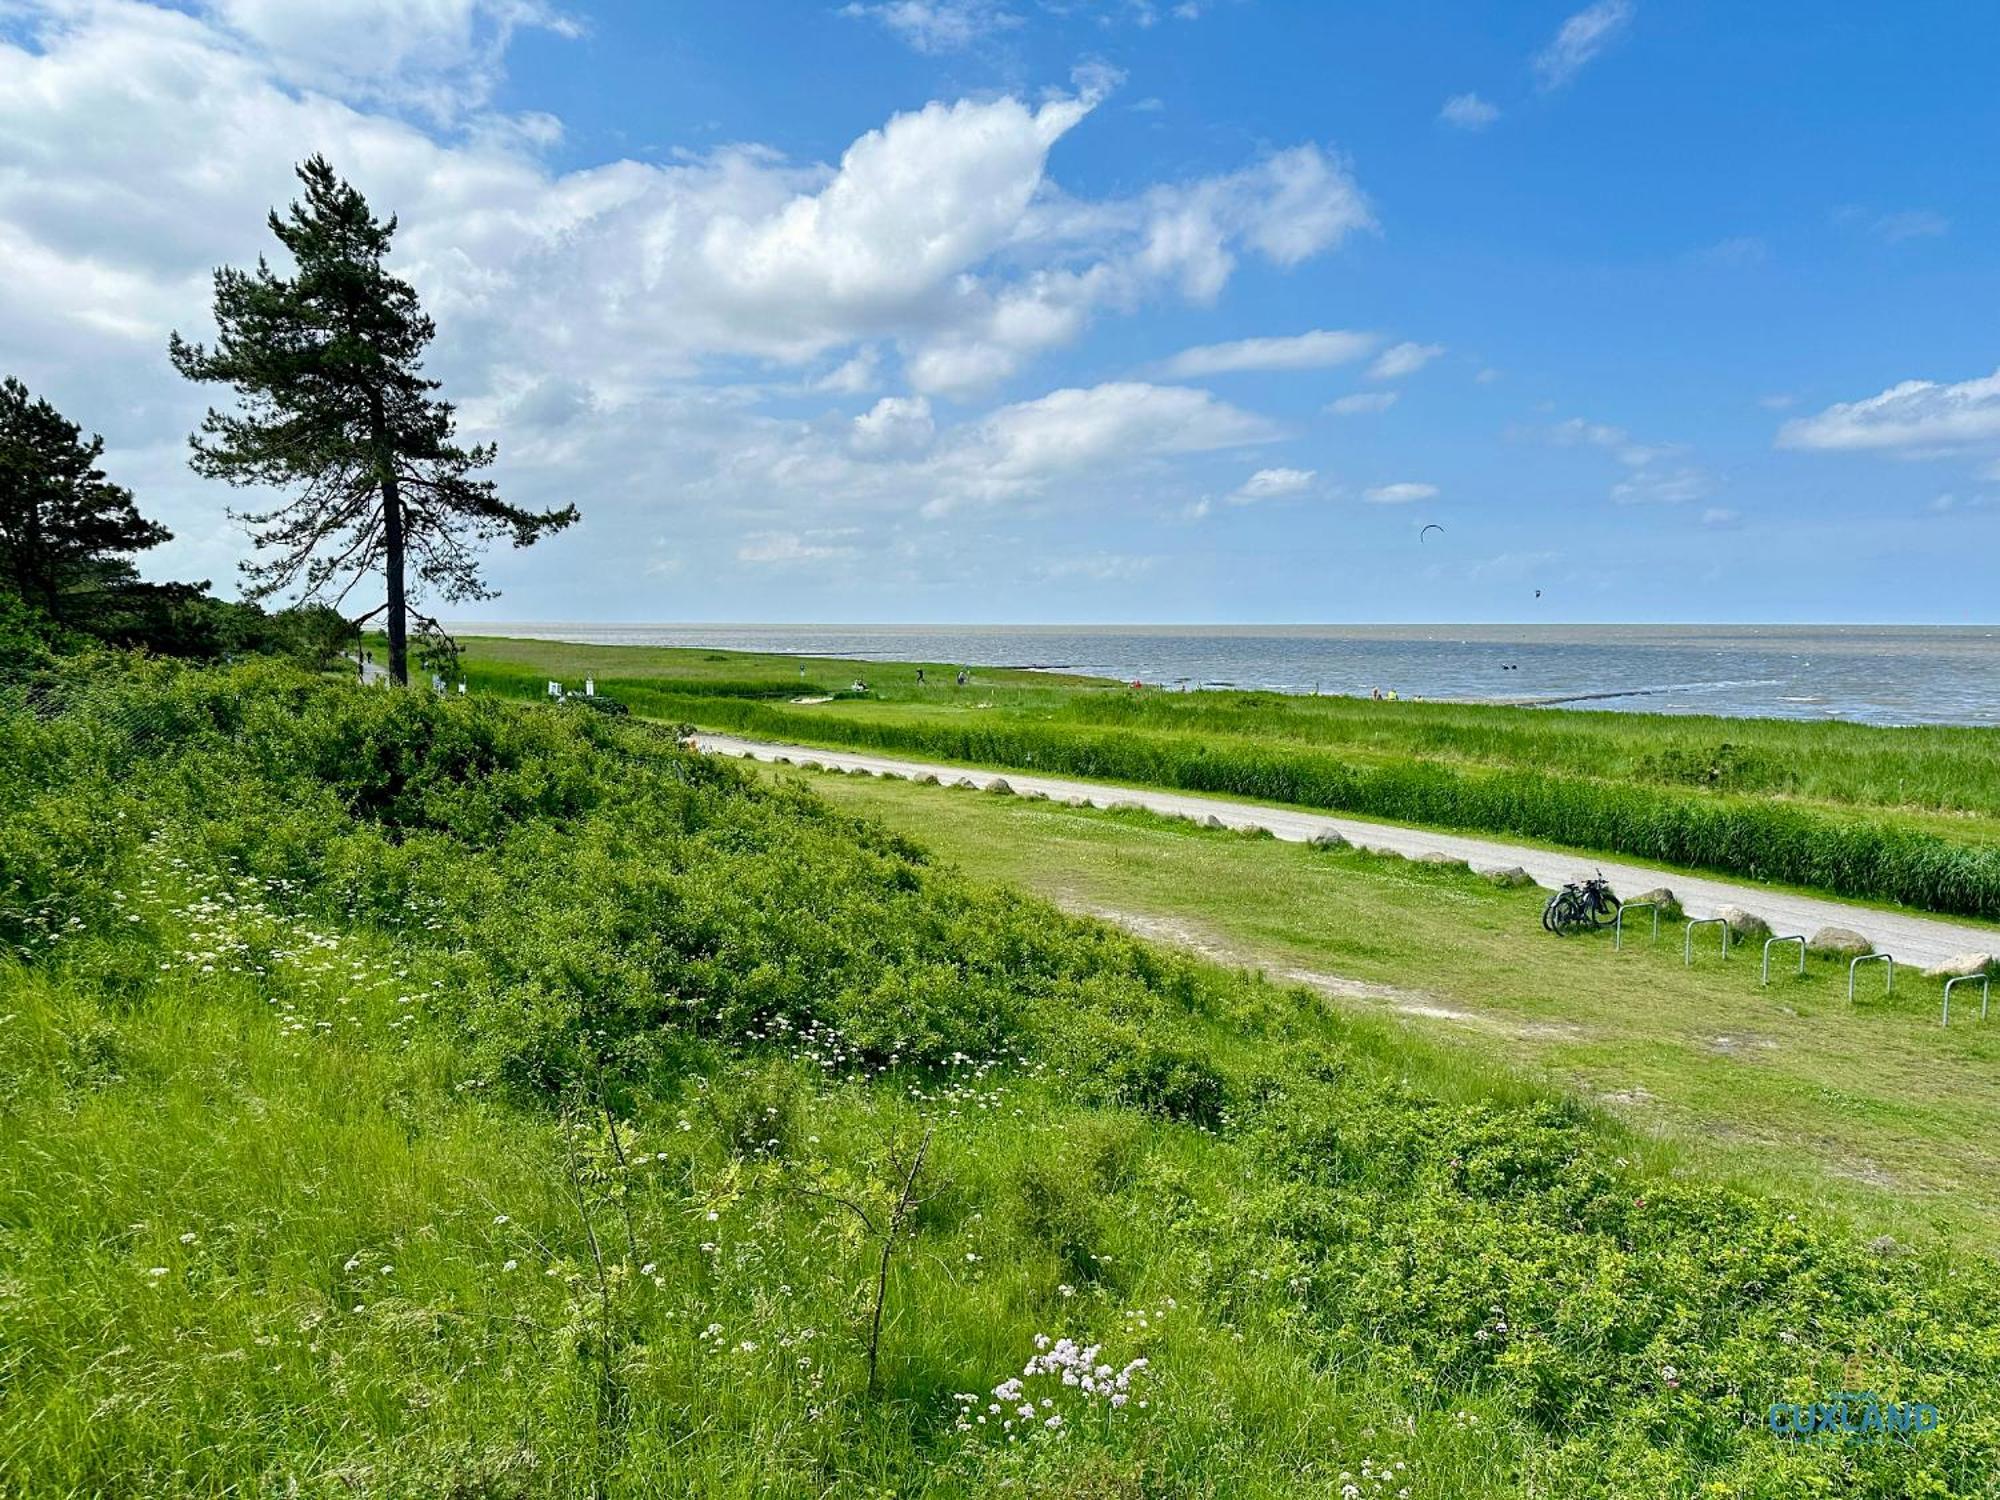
(1906,816)
(414,1097)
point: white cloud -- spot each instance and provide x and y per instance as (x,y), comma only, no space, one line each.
(1399,494)
(1914,416)
(1720,518)
(1468,112)
(1020,450)
(1100,567)
(1362,403)
(1303,351)
(938,25)
(626,331)
(1911,224)
(1648,486)
(1272,484)
(440,55)
(788,549)
(1399,360)
(1580,39)
(852,377)
(895,424)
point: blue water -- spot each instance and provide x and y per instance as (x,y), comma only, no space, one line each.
(1870,674)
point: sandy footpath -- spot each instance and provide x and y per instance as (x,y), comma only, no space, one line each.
(1912,938)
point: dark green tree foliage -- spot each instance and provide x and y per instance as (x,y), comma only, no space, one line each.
(66,531)
(336,413)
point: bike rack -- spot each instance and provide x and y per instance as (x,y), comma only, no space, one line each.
(1985,983)
(1888,979)
(1768,944)
(1618,922)
(1687,943)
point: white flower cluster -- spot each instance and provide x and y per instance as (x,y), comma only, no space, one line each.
(1059,1368)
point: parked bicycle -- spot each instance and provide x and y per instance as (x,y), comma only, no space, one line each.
(1579,906)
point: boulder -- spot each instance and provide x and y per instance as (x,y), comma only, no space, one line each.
(1326,838)
(1034,796)
(999,787)
(1668,903)
(965,784)
(1212,821)
(927,779)
(1509,878)
(1076,802)
(1961,964)
(1744,926)
(1442,860)
(1839,942)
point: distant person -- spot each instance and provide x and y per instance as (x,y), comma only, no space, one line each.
(1375,693)
(860,686)
(963,675)
(920,676)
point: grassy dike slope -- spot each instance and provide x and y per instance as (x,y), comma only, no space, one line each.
(1871,1109)
(1903,816)
(415,1097)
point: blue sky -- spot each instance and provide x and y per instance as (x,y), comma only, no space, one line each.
(1101,310)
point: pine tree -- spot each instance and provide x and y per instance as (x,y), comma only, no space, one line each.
(336,412)
(66,531)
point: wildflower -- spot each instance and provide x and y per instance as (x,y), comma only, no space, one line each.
(510,1265)
(157,1271)
(188,1238)
(499,1218)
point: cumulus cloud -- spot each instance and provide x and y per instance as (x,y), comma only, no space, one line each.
(1915,416)
(620,328)
(1020,450)
(1580,39)
(1272,484)
(895,424)
(1399,360)
(440,55)
(1302,351)
(1468,112)
(1403,493)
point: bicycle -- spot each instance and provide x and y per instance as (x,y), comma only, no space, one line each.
(1582,904)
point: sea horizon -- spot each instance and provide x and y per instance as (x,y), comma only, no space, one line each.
(1875,674)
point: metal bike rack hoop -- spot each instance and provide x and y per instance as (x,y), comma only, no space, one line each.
(1687,942)
(1798,938)
(1888,978)
(1618,922)
(1985,983)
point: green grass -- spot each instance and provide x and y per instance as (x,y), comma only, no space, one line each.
(408,1097)
(1873,1110)
(1902,816)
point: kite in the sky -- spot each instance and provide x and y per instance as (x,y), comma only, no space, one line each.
(1433,526)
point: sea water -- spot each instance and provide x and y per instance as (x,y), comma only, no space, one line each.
(1875,674)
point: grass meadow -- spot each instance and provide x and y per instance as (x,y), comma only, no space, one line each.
(403,1096)
(1901,816)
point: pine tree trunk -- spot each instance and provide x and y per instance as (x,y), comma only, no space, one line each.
(392,549)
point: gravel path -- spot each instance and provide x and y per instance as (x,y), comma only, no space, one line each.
(1914,939)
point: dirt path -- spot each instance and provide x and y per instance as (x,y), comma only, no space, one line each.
(1912,938)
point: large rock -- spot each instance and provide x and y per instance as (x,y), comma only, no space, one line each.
(1744,926)
(1510,877)
(1000,787)
(1442,860)
(927,779)
(1839,942)
(1668,903)
(1962,964)
(1212,821)
(1326,838)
